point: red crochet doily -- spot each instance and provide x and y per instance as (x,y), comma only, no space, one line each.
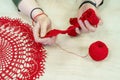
(21,58)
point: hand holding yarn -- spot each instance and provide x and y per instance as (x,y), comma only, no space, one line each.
(41,27)
(89,15)
(86,25)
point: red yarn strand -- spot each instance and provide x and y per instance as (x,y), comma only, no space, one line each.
(70,52)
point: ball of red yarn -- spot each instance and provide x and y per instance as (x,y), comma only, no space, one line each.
(98,51)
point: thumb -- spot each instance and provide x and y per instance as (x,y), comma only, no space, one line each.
(36,32)
(100,22)
(43,30)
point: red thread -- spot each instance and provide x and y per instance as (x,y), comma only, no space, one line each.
(21,58)
(73,53)
(37,16)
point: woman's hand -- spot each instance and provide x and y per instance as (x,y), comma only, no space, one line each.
(86,26)
(41,27)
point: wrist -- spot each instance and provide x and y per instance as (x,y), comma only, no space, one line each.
(35,12)
(40,16)
(95,3)
(16,2)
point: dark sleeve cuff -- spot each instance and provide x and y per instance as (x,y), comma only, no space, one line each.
(101,3)
(90,2)
(16,2)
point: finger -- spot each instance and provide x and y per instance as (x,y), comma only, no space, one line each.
(49,27)
(43,30)
(100,22)
(77,30)
(53,40)
(50,41)
(83,28)
(36,32)
(89,26)
(44,40)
